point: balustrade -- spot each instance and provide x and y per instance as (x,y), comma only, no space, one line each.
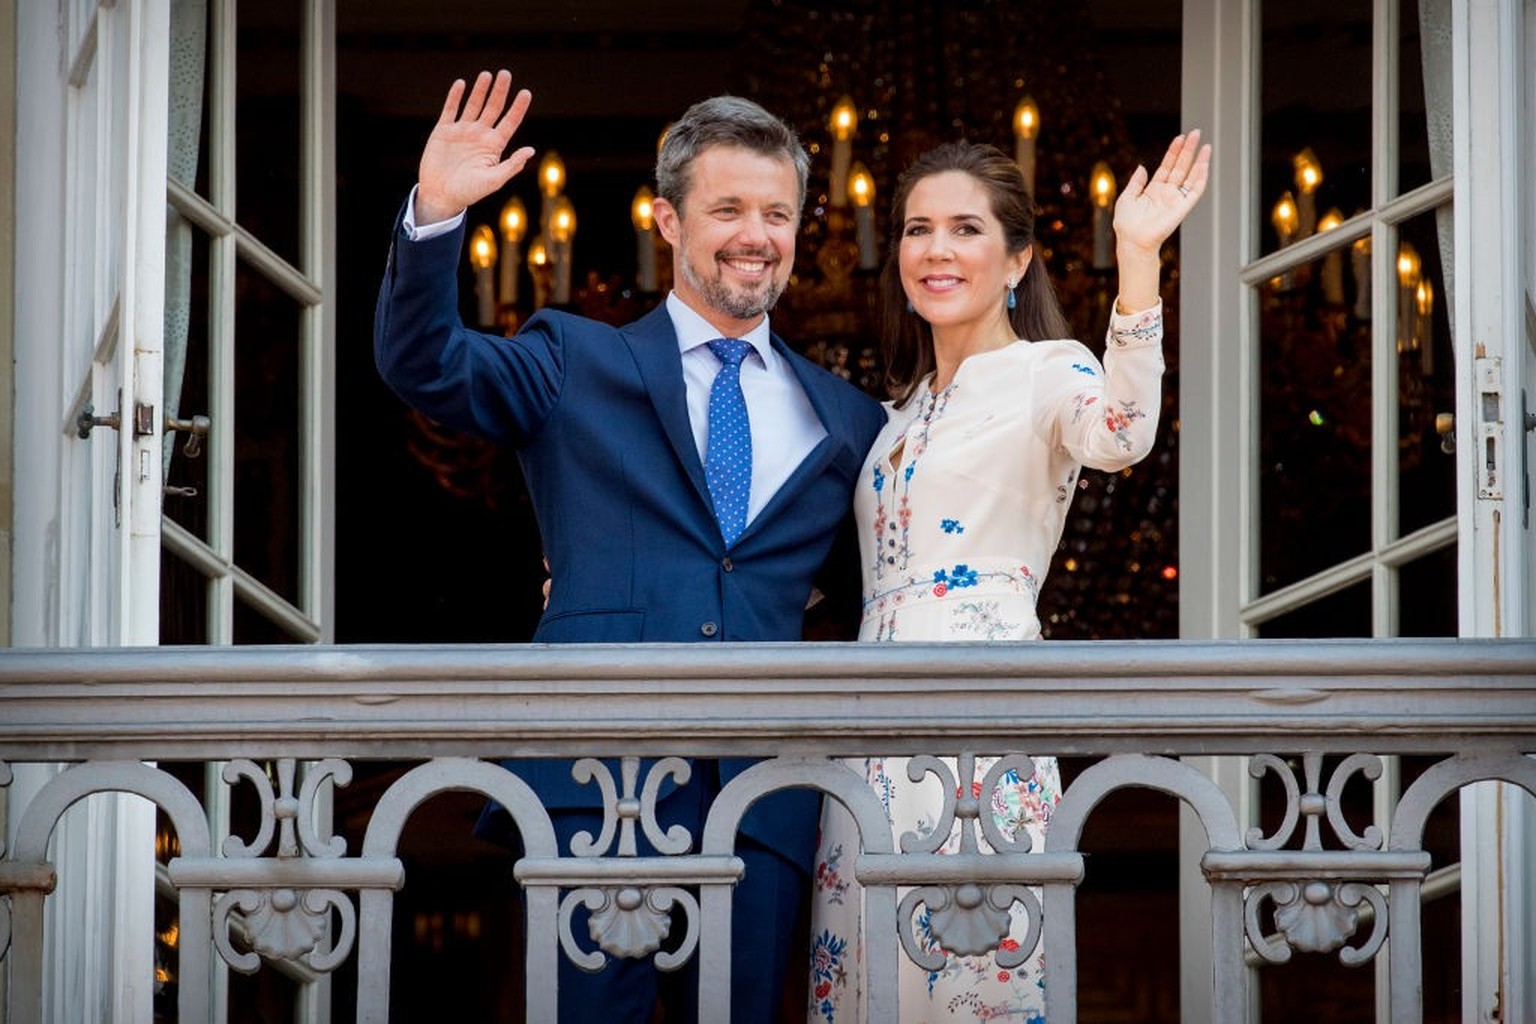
(1310,717)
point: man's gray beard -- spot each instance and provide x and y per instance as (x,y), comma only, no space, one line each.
(736,305)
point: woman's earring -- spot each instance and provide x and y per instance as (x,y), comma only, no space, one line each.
(909,307)
(1013,300)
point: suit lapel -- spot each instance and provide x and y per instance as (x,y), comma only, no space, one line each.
(653,344)
(825,450)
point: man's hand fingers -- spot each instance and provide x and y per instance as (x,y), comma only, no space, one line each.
(497,102)
(513,118)
(477,95)
(451,104)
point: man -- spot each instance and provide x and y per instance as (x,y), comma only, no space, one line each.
(681,495)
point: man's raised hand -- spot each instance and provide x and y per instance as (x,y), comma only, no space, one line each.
(462,162)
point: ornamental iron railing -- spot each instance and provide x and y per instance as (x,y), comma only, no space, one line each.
(286,722)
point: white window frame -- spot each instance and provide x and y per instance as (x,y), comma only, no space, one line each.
(1218,409)
(311,284)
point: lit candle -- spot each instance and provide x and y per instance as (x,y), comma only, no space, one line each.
(1425,307)
(538,269)
(1026,126)
(861,190)
(562,234)
(1408,276)
(1101,186)
(643,216)
(551,184)
(845,118)
(482,256)
(1283,217)
(1309,175)
(514,223)
(1360,268)
(1333,262)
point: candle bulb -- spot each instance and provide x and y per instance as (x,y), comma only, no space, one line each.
(1026,126)
(861,190)
(562,234)
(1309,175)
(643,216)
(1424,305)
(1408,276)
(1333,262)
(1360,268)
(514,223)
(551,185)
(1101,187)
(1284,218)
(482,256)
(845,118)
(538,269)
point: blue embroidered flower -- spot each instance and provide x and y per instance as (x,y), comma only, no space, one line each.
(906,474)
(951,526)
(879,480)
(963,576)
(1080,368)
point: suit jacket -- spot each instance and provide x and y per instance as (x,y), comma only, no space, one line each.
(599,419)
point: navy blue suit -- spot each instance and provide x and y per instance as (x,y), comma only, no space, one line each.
(598,417)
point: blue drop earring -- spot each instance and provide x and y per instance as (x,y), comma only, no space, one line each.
(1013,300)
(909,307)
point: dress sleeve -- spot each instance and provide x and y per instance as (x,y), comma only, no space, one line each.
(1104,416)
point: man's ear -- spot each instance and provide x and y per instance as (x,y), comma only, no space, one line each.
(667,219)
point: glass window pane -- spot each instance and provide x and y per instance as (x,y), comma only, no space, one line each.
(1314,424)
(1426,372)
(1345,613)
(268,144)
(183,602)
(186,370)
(267,481)
(1316,104)
(1426,596)
(252,627)
(1425,122)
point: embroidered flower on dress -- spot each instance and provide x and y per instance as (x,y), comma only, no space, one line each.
(951,526)
(1080,368)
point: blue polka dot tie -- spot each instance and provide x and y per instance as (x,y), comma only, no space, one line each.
(728,457)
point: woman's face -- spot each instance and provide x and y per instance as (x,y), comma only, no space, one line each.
(955,266)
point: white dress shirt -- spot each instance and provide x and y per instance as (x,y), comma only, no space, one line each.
(784,425)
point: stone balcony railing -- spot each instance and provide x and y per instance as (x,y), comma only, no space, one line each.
(293,892)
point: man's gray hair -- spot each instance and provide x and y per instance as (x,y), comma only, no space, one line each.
(725,121)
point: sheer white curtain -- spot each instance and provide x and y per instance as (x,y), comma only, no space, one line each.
(189,36)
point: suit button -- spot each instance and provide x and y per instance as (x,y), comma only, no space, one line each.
(709,629)
(727,565)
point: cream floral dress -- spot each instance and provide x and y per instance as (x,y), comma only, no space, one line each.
(960,508)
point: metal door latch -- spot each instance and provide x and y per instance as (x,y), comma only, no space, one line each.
(196,428)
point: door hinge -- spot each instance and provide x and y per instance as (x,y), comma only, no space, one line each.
(1487,372)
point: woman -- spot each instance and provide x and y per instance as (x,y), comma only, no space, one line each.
(965,492)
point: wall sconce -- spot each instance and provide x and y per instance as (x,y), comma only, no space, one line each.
(1409,269)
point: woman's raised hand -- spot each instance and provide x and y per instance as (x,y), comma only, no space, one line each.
(1152,207)
(462,162)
